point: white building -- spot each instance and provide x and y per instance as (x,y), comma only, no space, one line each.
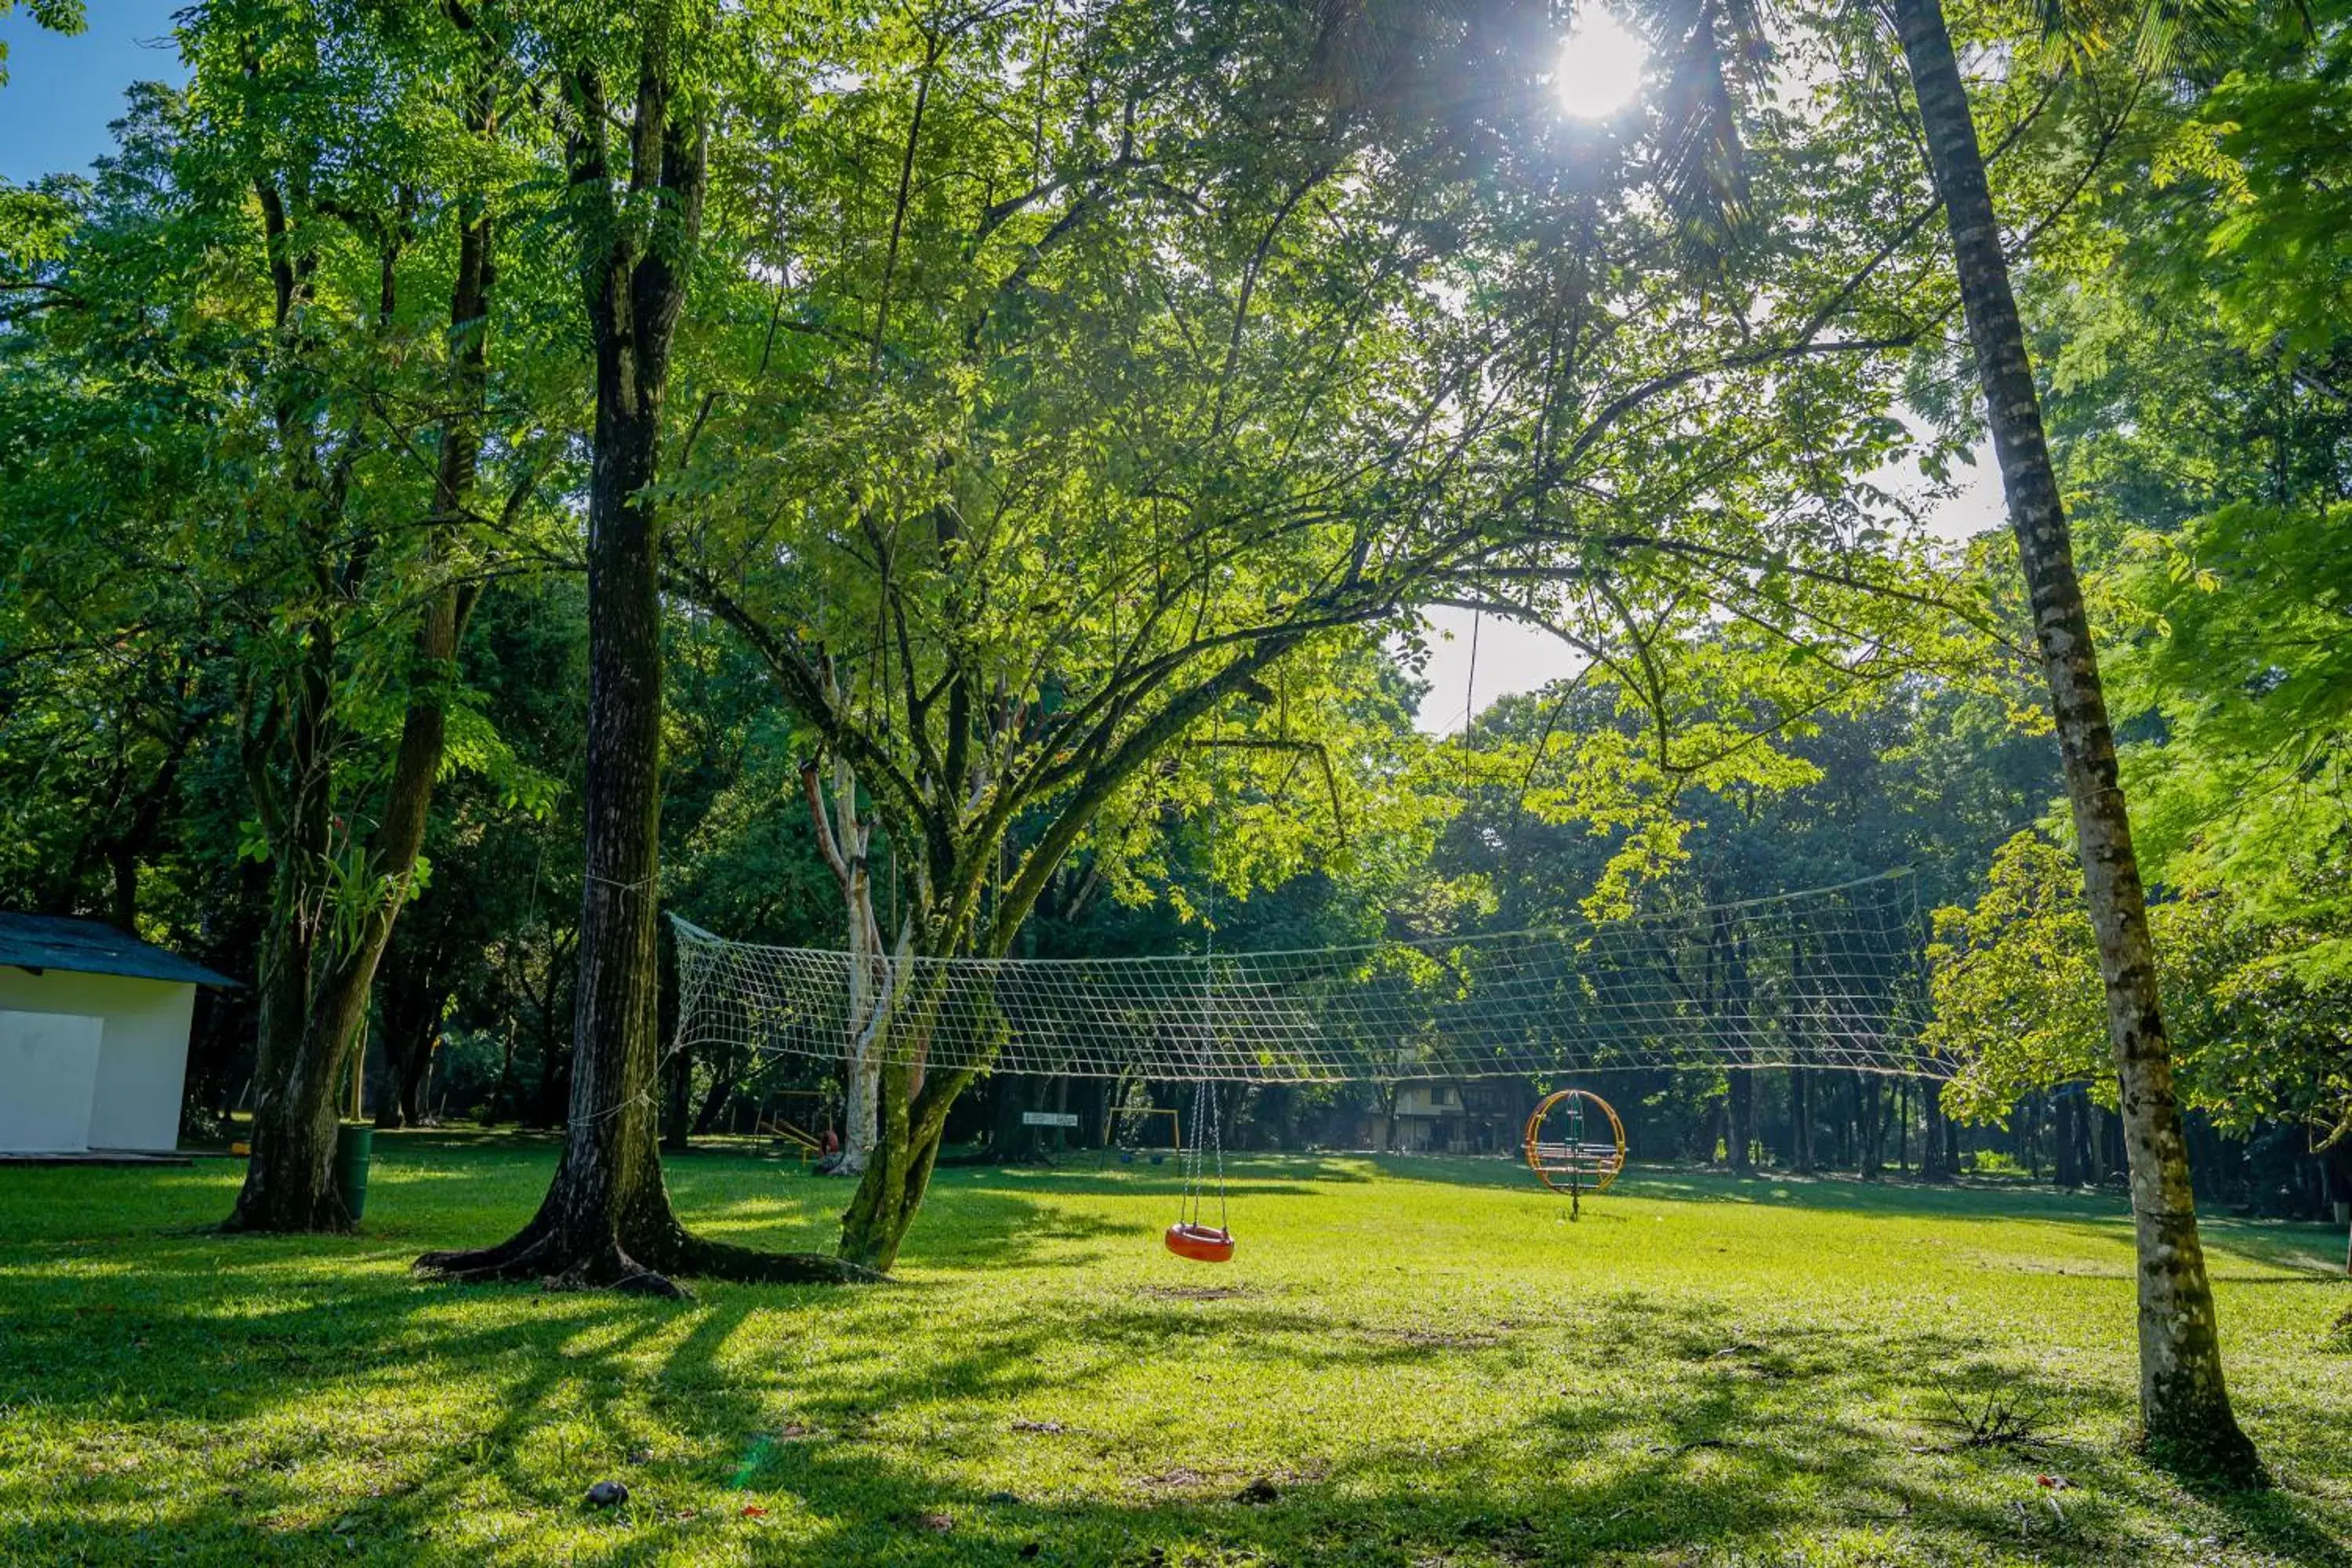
(93,1037)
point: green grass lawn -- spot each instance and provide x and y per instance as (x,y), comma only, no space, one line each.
(1422,1360)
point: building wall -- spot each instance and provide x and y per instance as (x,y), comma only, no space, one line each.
(143,1054)
(49,1062)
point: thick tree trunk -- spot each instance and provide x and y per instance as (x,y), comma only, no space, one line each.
(891,1192)
(2184,1402)
(606,1218)
(289,1178)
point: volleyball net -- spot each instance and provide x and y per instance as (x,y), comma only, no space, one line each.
(1829,977)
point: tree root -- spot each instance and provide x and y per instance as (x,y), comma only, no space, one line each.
(530,1257)
(519,1257)
(536,1255)
(2203,1462)
(748,1266)
(261,1212)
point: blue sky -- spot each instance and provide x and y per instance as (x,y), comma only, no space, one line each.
(62,93)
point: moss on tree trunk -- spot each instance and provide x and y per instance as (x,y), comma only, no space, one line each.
(2185,1410)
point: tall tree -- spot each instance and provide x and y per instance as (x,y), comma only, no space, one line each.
(606,1218)
(2184,1401)
(289,1181)
(1104,422)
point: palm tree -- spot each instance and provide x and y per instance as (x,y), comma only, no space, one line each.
(2184,1405)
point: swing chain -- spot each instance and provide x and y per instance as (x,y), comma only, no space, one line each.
(1208,1136)
(1188,1211)
(1207,1143)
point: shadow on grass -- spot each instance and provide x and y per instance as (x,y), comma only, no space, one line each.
(1742,1430)
(1733,1453)
(1731,1447)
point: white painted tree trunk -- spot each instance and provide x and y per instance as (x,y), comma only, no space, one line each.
(844,840)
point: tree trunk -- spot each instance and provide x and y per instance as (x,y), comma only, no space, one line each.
(1935,1165)
(554,1087)
(1849,1121)
(912,1109)
(554,1084)
(1870,1121)
(676,1065)
(2184,1402)
(1801,1121)
(1740,1104)
(606,1217)
(411,1007)
(2064,1171)
(290,1182)
(289,1178)
(874,1225)
(677,1102)
(844,839)
(714,1099)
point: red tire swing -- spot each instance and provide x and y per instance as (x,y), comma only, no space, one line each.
(1191,1237)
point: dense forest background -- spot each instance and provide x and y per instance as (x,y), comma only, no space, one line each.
(217,630)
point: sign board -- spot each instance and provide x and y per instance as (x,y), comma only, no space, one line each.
(1049,1118)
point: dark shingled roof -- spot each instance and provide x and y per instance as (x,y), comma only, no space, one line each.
(89,947)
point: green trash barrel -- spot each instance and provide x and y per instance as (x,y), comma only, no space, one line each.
(354,1143)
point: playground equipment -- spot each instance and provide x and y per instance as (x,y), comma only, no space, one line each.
(1191,1237)
(1575,1144)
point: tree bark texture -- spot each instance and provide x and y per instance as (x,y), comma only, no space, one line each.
(891,1191)
(290,1177)
(606,1219)
(2184,1403)
(912,1110)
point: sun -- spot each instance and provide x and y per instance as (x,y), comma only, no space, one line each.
(1600,63)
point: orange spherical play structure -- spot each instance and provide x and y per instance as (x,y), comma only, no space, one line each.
(1575,1144)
